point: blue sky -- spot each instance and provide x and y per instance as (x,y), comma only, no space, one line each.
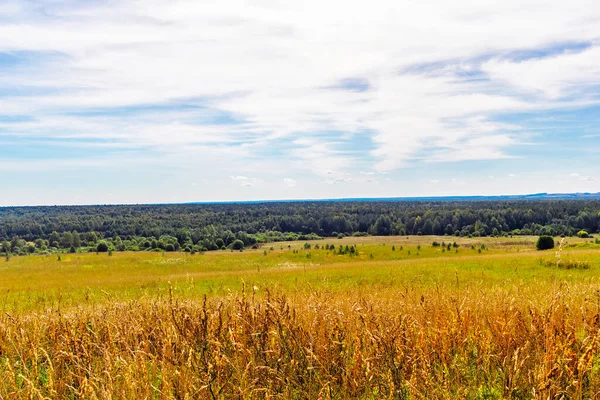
(153,101)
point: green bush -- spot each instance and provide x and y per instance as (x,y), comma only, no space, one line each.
(583,234)
(545,243)
(237,245)
(102,247)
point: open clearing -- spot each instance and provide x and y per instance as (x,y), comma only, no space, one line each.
(398,318)
(45,282)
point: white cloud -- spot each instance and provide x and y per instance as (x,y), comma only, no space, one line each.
(257,76)
(290,182)
(339,180)
(582,178)
(555,76)
(245,181)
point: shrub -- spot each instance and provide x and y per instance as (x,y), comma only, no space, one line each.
(237,245)
(170,247)
(545,243)
(583,234)
(359,234)
(102,247)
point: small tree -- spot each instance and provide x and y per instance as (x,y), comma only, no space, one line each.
(545,243)
(102,247)
(237,245)
(583,234)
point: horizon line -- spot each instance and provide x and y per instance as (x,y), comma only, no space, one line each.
(542,195)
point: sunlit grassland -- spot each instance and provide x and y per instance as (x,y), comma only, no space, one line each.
(492,318)
(393,263)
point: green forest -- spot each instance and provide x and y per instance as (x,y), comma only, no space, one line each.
(202,227)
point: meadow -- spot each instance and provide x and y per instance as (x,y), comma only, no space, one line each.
(372,317)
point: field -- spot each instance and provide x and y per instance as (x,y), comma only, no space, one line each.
(479,318)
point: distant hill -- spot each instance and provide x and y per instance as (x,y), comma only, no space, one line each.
(535,196)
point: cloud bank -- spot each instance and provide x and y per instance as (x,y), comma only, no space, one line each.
(322,89)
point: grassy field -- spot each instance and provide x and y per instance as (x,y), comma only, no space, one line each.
(398,318)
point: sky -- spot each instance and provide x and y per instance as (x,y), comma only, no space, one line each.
(196,100)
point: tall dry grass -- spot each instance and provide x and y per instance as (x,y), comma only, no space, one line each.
(438,343)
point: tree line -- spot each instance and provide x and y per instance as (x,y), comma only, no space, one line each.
(201,227)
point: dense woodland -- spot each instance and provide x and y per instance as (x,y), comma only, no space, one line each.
(201,227)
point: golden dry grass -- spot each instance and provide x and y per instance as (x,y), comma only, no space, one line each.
(459,325)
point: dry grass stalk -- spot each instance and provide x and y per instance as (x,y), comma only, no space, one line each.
(435,344)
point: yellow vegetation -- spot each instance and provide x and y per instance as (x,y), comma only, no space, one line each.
(459,337)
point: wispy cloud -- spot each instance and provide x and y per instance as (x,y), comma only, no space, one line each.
(289,182)
(582,178)
(327,89)
(245,181)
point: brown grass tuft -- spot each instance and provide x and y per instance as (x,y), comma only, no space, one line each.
(401,344)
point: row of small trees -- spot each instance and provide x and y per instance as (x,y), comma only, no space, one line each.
(19,246)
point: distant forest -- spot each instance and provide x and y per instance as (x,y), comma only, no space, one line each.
(201,227)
